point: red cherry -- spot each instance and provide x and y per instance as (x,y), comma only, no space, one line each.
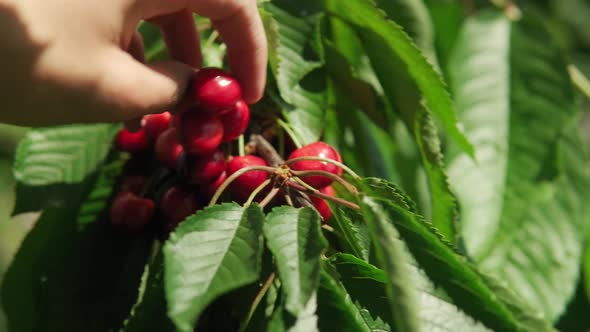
(168,148)
(206,169)
(134,184)
(321,205)
(200,132)
(131,212)
(215,89)
(132,142)
(177,204)
(235,121)
(244,185)
(213,186)
(317,149)
(155,124)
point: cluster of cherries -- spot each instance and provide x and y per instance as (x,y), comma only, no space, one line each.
(190,144)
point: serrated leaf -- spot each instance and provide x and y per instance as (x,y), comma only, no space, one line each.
(62,154)
(351,232)
(295,239)
(517,103)
(452,272)
(287,37)
(67,279)
(390,252)
(97,199)
(149,313)
(367,19)
(336,311)
(306,321)
(365,285)
(211,253)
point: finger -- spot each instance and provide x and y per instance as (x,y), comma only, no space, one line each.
(243,33)
(181,37)
(136,47)
(131,89)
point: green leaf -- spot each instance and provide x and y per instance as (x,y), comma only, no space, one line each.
(391,253)
(404,94)
(62,154)
(351,231)
(447,269)
(517,104)
(98,198)
(295,239)
(211,253)
(306,321)
(336,311)
(67,279)
(288,37)
(367,19)
(149,313)
(365,285)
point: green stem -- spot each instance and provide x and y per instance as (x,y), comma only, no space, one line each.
(289,131)
(256,192)
(257,300)
(323,196)
(241,149)
(332,176)
(580,80)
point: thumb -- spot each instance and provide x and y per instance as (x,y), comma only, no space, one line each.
(131,89)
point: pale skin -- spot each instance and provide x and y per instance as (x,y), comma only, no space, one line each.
(72,61)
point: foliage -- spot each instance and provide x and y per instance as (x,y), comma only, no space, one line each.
(469,214)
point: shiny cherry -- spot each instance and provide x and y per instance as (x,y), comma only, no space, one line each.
(245,184)
(200,132)
(206,169)
(321,205)
(317,149)
(156,124)
(235,121)
(215,90)
(132,142)
(168,147)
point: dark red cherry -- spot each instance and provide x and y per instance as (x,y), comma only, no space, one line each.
(132,142)
(134,184)
(177,204)
(244,185)
(215,90)
(156,124)
(317,149)
(168,147)
(235,121)
(213,186)
(131,212)
(205,169)
(200,132)
(321,205)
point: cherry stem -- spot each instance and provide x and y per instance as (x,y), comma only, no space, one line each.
(289,131)
(241,149)
(267,151)
(327,160)
(328,228)
(332,176)
(288,196)
(256,192)
(321,195)
(257,300)
(273,192)
(236,175)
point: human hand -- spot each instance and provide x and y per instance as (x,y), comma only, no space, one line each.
(71,61)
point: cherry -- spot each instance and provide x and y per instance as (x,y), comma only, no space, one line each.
(131,212)
(206,169)
(317,149)
(168,148)
(134,184)
(213,186)
(177,204)
(201,133)
(321,205)
(235,121)
(132,142)
(215,89)
(244,185)
(156,124)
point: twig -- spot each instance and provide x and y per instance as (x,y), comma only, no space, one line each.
(273,192)
(267,151)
